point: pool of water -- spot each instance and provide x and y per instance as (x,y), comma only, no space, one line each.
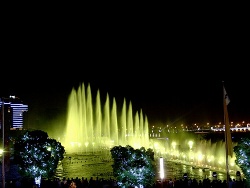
(100,165)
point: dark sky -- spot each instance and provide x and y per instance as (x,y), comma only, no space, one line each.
(172,72)
(165,94)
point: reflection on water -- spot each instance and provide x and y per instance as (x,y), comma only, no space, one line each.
(100,165)
(86,166)
(177,170)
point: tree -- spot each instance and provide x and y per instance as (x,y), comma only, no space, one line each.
(37,155)
(242,151)
(133,167)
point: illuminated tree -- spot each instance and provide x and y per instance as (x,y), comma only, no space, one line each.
(242,151)
(37,155)
(133,167)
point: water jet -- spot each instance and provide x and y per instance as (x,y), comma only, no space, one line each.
(93,127)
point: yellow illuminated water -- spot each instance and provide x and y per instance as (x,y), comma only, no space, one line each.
(93,127)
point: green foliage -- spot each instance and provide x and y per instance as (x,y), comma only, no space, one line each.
(242,151)
(37,155)
(133,167)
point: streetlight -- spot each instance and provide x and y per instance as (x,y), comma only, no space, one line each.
(161,170)
(3,170)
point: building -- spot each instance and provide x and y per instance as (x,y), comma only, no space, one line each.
(13,113)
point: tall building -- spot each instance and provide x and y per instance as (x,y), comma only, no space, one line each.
(13,113)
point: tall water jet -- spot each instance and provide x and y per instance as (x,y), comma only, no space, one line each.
(91,127)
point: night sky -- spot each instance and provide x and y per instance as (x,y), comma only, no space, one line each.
(174,74)
(165,95)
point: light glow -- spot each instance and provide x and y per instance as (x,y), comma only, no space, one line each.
(161,168)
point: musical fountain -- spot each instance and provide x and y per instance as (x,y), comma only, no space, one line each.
(202,154)
(92,127)
(92,130)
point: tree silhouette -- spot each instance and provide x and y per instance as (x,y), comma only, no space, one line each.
(37,155)
(242,151)
(133,167)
